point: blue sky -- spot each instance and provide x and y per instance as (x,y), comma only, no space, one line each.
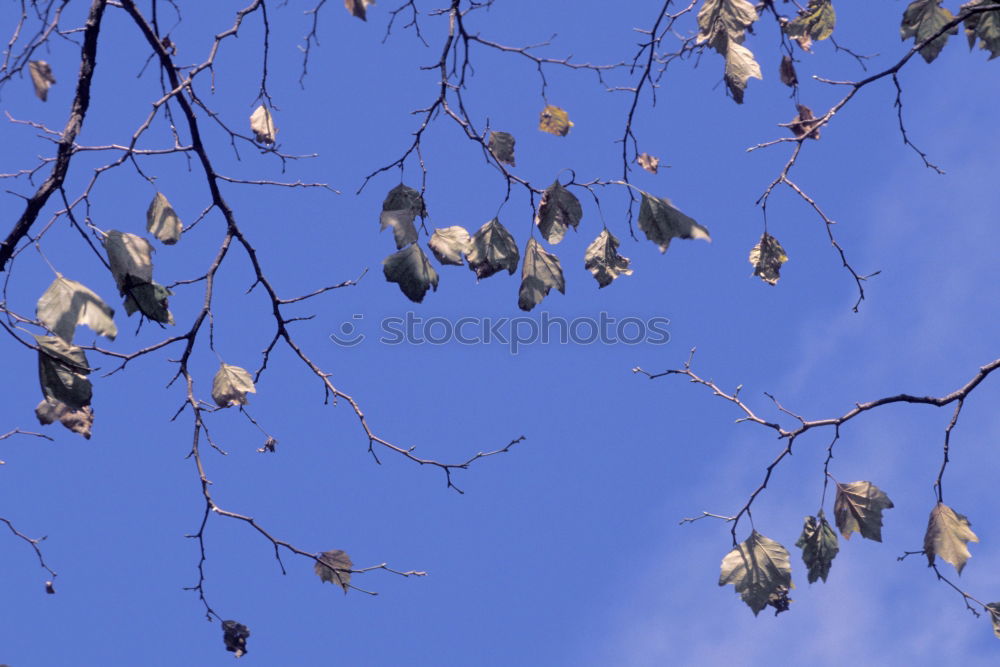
(567,550)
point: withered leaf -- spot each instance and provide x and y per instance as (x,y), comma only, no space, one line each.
(335,567)
(787,72)
(539,274)
(41,78)
(263,125)
(358,8)
(761,572)
(603,261)
(558,210)
(450,244)
(162,221)
(804,124)
(502,146)
(492,248)
(67,304)
(767,257)
(661,222)
(948,535)
(814,23)
(648,162)
(858,508)
(412,271)
(231,385)
(985,26)
(235,636)
(554,121)
(923,19)
(819,546)
(399,209)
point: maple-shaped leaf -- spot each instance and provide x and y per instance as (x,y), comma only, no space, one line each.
(150,299)
(858,508)
(335,567)
(358,8)
(819,546)
(760,570)
(41,78)
(67,304)
(558,210)
(78,420)
(539,274)
(814,23)
(603,261)
(661,222)
(502,146)
(984,26)
(767,257)
(231,385)
(130,258)
(994,609)
(412,271)
(450,244)
(263,125)
(235,636)
(786,71)
(491,249)
(401,207)
(554,121)
(922,20)
(948,535)
(648,162)
(804,124)
(162,221)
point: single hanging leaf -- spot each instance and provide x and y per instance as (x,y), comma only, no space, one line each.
(150,299)
(450,244)
(130,256)
(787,72)
(492,248)
(767,257)
(162,221)
(948,535)
(358,8)
(603,261)
(502,147)
(819,546)
(723,24)
(558,210)
(858,508)
(263,125)
(231,385)
(994,609)
(760,570)
(923,19)
(63,371)
(985,26)
(335,567)
(540,273)
(554,121)
(662,222)
(804,124)
(401,207)
(67,304)
(41,77)
(740,68)
(235,636)
(79,421)
(814,23)
(411,269)
(648,162)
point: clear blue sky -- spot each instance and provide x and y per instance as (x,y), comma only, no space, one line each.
(567,550)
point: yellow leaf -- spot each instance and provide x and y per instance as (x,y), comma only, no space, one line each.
(555,121)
